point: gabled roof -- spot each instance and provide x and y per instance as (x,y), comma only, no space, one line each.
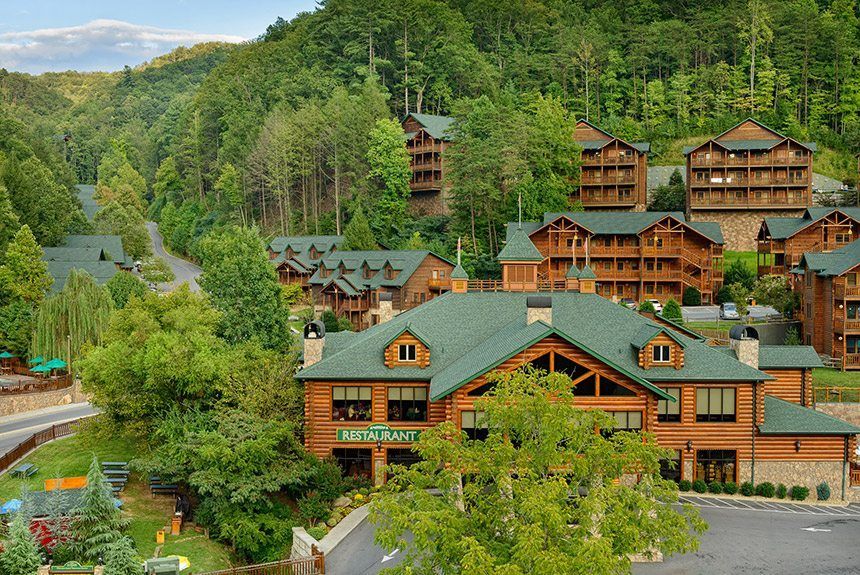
(458,273)
(573,272)
(782,356)
(101,271)
(64,254)
(679,328)
(784,228)
(785,418)
(475,331)
(437,126)
(404,261)
(301,246)
(643,147)
(740,145)
(112,245)
(649,331)
(86,195)
(519,248)
(586,273)
(833,263)
(411,330)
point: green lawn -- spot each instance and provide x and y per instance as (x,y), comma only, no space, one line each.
(71,456)
(834,377)
(748,258)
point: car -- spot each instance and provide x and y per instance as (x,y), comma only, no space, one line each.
(729,311)
(658,307)
(628,303)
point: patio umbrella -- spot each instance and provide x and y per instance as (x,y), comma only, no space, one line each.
(36,360)
(40,369)
(56,363)
(6,355)
(11,506)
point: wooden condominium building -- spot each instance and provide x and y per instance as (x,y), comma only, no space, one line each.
(783,241)
(369,287)
(296,257)
(637,255)
(614,172)
(745,171)
(369,395)
(426,138)
(101,256)
(829,285)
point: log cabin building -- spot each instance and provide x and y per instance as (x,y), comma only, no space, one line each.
(614,173)
(368,287)
(748,171)
(296,257)
(101,256)
(426,138)
(829,287)
(637,255)
(783,241)
(369,395)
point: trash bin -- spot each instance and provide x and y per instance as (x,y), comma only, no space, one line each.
(159,536)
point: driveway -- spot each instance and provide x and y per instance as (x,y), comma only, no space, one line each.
(744,538)
(712,312)
(185,271)
(16,428)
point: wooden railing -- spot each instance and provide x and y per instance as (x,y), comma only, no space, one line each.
(428,185)
(855,475)
(608,160)
(847,291)
(609,179)
(845,324)
(851,360)
(664,251)
(835,394)
(663,274)
(597,199)
(733,201)
(38,385)
(313,565)
(35,440)
(611,251)
(764,161)
(439,283)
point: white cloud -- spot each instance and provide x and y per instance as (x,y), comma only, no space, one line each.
(97,45)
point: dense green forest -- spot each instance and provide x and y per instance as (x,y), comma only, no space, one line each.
(279,131)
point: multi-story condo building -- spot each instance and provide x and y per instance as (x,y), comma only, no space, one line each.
(783,241)
(748,171)
(296,257)
(614,173)
(829,285)
(426,138)
(369,396)
(637,255)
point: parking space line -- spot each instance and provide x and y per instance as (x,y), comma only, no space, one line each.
(769,506)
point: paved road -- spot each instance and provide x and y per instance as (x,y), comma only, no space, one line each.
(185,271)
(742,539)
(712,312)
(16,428)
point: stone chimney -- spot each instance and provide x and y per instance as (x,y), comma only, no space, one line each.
(539,308)
(386,306)
(744,342)
(314,342)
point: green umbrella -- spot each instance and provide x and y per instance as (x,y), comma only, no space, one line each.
(40,369)
(6,355)
(36,360)
(56,363)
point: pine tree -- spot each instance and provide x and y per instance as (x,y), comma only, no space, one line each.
(97,523)
(24,275)
(358,235)
(389,166)
(121,559)
(672,310)
(21,553)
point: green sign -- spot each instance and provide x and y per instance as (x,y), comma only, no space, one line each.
(378,432)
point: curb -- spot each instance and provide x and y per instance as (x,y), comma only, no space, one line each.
(839,503)
(340,531)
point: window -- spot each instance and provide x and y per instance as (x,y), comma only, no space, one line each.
(626,420)
(472,422)
(402,456)
(852,311)
(350,403)
(670,411)
(850,278)
(660,353)
(715,465)
(607,242)
(406,352)
(852,344)
(354,462)
(609,388)
(715,404)
(843,238)
(407,404)
(671,468)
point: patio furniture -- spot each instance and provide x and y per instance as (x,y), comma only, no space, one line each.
(24,470)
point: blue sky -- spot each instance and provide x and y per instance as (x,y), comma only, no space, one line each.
(54,35)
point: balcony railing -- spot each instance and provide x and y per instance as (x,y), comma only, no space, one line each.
(753,161)
(604,199)
(774,200)
(844,324)
(851,360)
(422,148)
(734,182)
(661,251)
(439,283)
(843,291)
(608,160)
(428,185)
(615,251)
(855,475)
(608,179)
(663,274)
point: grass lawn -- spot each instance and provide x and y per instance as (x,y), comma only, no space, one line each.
(748,258)
(828,376)
(71,456)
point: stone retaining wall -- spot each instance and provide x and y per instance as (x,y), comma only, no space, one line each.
(740,228)
(302,543)
(21,403)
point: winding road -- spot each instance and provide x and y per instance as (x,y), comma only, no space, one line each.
(16,428)
(185,271)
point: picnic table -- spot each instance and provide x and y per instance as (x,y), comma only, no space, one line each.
(24,470)
(114,464)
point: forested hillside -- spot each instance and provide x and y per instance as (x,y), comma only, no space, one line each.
(279,130)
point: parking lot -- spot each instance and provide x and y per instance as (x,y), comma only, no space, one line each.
(712,312)
(775,506)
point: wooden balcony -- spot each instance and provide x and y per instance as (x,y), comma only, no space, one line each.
(661,251)
(428,185)
(842,291)
(731,201)
(439,284)
(729,182)
(749,161)
(605,199)
(615,251)
(424,148)
(855,475)
(345,305)
(661,275)
(607,160)
(851,361)
(590,180)
(843,324)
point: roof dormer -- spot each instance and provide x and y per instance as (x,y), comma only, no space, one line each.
(659,347)
(407,349)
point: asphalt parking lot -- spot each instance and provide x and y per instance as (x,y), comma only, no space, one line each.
(712,312)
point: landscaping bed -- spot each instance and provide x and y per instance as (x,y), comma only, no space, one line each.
(764,491)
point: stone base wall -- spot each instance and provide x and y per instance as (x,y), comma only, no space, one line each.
(740,227)
(429,203)
(849,412)
(806,473)
(13,404)
(302,543)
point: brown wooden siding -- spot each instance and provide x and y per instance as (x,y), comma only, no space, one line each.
(392,357)
(789,385)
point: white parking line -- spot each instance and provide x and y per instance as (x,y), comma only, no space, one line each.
(769,507)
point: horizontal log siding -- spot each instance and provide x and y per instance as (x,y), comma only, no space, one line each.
(392,353)
(788,384)
(812,447)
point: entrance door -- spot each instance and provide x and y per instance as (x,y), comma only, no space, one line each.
(716,465)
(355,462)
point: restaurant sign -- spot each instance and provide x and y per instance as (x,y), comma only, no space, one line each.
(379,432)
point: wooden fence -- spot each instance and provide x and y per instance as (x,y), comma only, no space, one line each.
(313,565)
(35,440)
(836,394)
(37,385)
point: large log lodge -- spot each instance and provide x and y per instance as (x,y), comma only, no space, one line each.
(729,414)
(829,286)
(744,171)
(783,241)
(296,257)
(637,255)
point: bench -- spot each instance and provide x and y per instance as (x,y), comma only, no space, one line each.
(163,489)
(115,473)
(114,464)
(30,472)
(117,488)
(115,480)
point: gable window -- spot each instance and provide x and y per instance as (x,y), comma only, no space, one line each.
(660,353)
(406,352)
(843,238)
(472,422)
(851,279)
(670,411)
(407,404)
(350,403)
(715,404)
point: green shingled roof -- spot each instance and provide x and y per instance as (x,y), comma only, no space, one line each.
(437,126)
(458,273)
(649,331)
(86,195)
(782,356)
(833,263)
(64,254)
(475,331)
(785,418)
(519,248)
(301,246)
(750,144)
(643,147)
(100,270)
(112,245)
(404,261)
(573,272)
(586,273)
(783,228)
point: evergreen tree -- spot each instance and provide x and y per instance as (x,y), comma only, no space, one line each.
(229,188)
(121,559)
(97,523)
(358,235)
(671,197)
(9,223)
(24,275)
(389,167)
(128,224)
(21,552)
(672,310)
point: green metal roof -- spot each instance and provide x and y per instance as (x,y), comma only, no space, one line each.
(404,261)
(785,418)
(458,273)
(473,332)
(437,126)
(112,245)
(64,254)
(519,248)
(833,263)
(586,273)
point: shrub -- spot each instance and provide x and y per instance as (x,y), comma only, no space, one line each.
(781,490)
(715,487)
(799,492)
(692,296)
(317,532)
(730,487)
(314,507)
(823,491)
(647,307)
(700,486)
(747,488)
(672,310)
(684,485)
(765,489)
(292,293)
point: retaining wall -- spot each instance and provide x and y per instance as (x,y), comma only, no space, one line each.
(21,403)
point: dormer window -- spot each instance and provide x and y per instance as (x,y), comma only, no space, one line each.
(290,253)
(406,352)
(660,353)
(323,271)
(367,273)
(314,253)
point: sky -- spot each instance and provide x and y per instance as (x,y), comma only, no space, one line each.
(86,35)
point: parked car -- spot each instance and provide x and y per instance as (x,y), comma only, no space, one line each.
(628,303)
(729,311)
(658,307)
